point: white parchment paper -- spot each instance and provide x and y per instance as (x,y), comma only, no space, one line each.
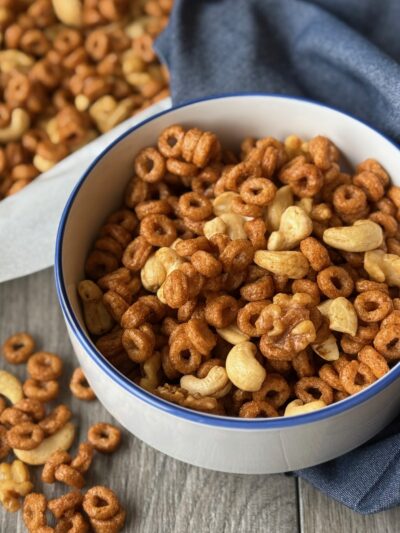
(29,219)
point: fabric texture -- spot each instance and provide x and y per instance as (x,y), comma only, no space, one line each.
(345,53)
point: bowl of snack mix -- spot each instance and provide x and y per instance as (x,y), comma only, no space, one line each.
(229,274)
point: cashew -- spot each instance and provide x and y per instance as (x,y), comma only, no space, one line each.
(61,440)
(131,62)
(232,334)
(107,112)
(223,202)
(52,130)
(137,28)
(295,225)
(283,199)
(151,369)
(68,11)
(341,314)
(243,369)
(235,225)
(297,407)
(291,264)
(15,60)
(158,266)
(214,226)
(214,381)
(19,124)
(82,102)
(328,349)
(306,204)
(97,319)
(15,481)
(383,267)
(10,387)
(42,164)
(362,236)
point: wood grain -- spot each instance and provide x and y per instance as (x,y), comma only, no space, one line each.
(161,494)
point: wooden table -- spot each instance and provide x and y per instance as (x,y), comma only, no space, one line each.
(163,495)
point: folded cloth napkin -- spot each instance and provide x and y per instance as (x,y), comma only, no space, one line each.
(343,52)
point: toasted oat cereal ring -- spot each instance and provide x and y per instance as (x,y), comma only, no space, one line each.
(190,141)
(221,311)
(83,458)
(33,408)
(205,367)
(43,391)
(187,247)
(260,289)
(237,175)
(169,370)
(25,436)
(303,364)
(374,360)
(195,206)
(206,264)
(355,376)
(316,253)
(237,256)
(115,304)
(248,316)
(18,348)
(258,191)
(363,285)
(56,419)
(44,366)
(200,335)
(307,286)
(136,254)
(392,320)
(136,192)
(181,168)
(176,289)
(183,355)
(366,332)
(305,180)
(371,184)
(11,416)
(121,276)
(153,207)
(387,342)
(34,511)
(191,309)
(3,404)
(257,409)
(150,165)
(101,503)
(79,386)
(256,230)
(109,245)
(311,389)
(124,218)
(138,344)
(387,222)
(65,503)
(100,263)
(170,141)
(116,523)
(335,281)
(57,458)
(121,235)
(158,230)
(373,166)
(373,306)
(275,391)
(5,448)
(351,345)
(323,152)
(240,207)
(206,148)
(349,199)
(72,523)
(329,374)
(104,437)
(69,476)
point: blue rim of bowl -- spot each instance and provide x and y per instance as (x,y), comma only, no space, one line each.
(155,401)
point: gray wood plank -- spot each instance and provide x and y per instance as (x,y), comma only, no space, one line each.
(320,514)
(161,495)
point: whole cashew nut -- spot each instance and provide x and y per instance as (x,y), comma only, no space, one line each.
(328,349)
(97,319)
(158,266)
(229,224)
(294,265)
(151,369)
(42,164)
(362,236)
(223,203)
(383,267)
(232,334)
(297,407)
(295,225)
(15,60)
(243,369)
(214,381)
(283,199)
(341,314)
(69,12)
(10,387)
(61,440)
(19,124)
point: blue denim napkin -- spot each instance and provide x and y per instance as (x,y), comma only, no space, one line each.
(343,52)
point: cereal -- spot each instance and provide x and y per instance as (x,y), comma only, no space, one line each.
(246,285)
(80,387)
(104,438)
(44,366)
(18,348)
(44,391)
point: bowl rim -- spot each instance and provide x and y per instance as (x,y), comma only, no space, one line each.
(104,365)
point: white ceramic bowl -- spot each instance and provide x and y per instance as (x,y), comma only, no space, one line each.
(220,443)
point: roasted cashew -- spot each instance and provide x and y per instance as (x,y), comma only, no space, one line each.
(297,407)
(328,349)
(295,225)
(214,381)
(362,236)
(341,314)
(68,11)
(383,267)
(19,124)
(283,199)
(243,369)
(10,387)
(294,265)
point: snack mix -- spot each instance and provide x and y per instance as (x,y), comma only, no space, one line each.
(69,71)
(37,437)
(258,284)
